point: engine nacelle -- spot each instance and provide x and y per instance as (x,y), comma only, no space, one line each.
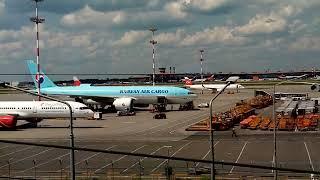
(8,122)
(315,87)
(90,101)
(34,120)
(123,104)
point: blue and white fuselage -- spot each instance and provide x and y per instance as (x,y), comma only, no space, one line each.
(140,94)
(122,97)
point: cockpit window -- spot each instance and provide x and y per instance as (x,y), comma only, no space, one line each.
(82,108)
(190,92)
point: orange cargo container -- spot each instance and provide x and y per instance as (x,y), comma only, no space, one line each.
(254,123)
(264,123)
(245,123)
(271,125)
(283,123)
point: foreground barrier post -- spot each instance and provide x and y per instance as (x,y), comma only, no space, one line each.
(87,168)
(229,81)
(112,169)
(60,162)
(9,168)
(35,169)
(72,159)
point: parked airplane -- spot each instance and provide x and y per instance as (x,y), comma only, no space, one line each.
(35,111)
(292,77)
(211,78)
(121,97)
(213,87)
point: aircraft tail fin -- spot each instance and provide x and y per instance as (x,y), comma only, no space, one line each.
(188,82)
(45,82)
(211,78)
(76,81)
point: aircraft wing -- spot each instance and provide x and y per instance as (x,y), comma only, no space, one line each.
(97,99)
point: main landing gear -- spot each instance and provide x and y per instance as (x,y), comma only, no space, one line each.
(187,106)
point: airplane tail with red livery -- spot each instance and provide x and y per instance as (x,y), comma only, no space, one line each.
(188,82)
(211,78)
(76,81)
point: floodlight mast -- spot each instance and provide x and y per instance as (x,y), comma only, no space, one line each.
(201,60)
(153,42)
(38,20)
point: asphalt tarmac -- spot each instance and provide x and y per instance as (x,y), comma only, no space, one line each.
(143,134)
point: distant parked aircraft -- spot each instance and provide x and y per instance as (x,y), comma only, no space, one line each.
(292,77)
(213,87)
(211,78)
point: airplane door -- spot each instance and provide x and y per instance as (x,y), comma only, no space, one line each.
(34,107)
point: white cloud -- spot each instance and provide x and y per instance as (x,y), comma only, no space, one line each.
(262,24)
(205,5)
(208,36)
(276,21)
(170,15)
(130,38)
(171,38)
(87,16)
(58,46)
(2,6)
(289,10)
(11,46)
(153,3)
(296,26)
(176,9)
(306,44)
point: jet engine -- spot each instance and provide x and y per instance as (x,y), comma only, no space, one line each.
(123,104)
(8,122)
(34,120)
(315,87)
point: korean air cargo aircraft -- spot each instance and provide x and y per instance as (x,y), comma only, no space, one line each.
(122,97)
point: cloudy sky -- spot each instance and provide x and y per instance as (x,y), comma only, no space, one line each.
(112,36)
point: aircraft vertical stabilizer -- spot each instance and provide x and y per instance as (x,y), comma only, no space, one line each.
(44,80)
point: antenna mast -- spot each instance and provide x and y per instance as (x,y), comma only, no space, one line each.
(38,20)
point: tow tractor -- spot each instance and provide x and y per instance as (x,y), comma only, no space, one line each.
(126,113)
(160,108)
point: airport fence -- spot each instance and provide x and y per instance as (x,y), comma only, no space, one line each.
(140,166)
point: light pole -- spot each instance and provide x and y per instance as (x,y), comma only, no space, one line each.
(38,20)
(60,162)
(168,153)
(35,169)
(275,161)
(72,159)
(229,81)
(201,60)
(9,167)
(269,21)
(274,133)
(153,42)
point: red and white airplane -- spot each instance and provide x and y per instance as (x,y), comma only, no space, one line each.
(35,111)
(211,78)
(283,77)
(213,87)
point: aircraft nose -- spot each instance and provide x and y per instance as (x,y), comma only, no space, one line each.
(90,112)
